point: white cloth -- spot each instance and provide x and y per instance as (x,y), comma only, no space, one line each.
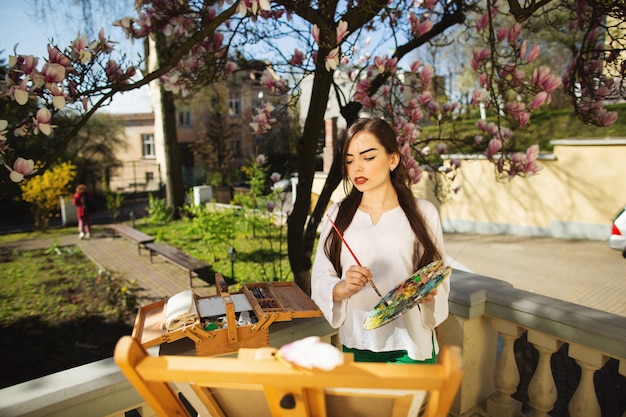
(180,310)
(386,248)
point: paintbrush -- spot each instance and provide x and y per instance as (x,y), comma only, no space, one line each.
(355,258)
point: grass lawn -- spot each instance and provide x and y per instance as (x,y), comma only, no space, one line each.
(56,312)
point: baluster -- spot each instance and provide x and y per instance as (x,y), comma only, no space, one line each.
(506,374)
(542,392)
(584,402)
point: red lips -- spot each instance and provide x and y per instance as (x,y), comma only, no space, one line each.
(360,180)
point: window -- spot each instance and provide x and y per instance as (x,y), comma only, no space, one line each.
(184,118)
(147,145)
(149,177)
(234,105)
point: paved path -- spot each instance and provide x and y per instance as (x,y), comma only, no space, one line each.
(585,272)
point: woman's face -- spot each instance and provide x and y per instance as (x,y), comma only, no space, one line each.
(367,162)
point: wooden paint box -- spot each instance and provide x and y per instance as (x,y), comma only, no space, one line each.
(213,325)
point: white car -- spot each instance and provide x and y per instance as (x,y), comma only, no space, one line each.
(617,240)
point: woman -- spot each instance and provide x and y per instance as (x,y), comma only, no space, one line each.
(82,199)
(393,234)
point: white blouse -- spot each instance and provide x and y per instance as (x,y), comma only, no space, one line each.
(386,248)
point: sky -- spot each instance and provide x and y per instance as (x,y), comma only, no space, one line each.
(16,26)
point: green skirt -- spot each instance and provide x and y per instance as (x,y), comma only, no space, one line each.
(394,356)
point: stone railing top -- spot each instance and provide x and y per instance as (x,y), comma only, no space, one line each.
(473,295)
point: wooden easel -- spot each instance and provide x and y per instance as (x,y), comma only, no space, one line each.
(256,384)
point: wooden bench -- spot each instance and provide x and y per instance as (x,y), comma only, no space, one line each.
(132,234)
(195,266)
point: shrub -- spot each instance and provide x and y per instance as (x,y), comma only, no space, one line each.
(44,191)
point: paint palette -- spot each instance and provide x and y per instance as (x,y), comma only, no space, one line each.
(407,294)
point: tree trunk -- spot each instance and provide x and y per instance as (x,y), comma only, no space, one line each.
(174,187)
(350,112)
(299,253)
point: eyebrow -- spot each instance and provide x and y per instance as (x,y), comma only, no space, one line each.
(365,151)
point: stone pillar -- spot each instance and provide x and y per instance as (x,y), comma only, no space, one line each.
(542,392)
(506,374)
(584,402)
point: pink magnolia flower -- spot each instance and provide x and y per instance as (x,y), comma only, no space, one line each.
(539,100)
(42,121)
(503,134)
(361,90)
(21,168)
(482,22)
(58,96)
(20,92)
(493,147)
(522,118)
(415,65)
(105,45)
(542,78)
(522,50)
(28,64)
(79,49)
(514,33)
(3,126)
(425,98)
(55,56)
(531,167)
(480,95)
(297,59)
(332,59)
(414,115)
(481,124)
(501,34)
(262,121)
(275,177)
(606,118)
(260,159)
(483,80)
(379,62)
(534,53)
(273,82)
(342,30)
(253,6)
(229,68)
(419,26)
(315,31)
(53,73)
(427,74)
(414,169)
(310,353)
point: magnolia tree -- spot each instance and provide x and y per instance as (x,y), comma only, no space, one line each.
(369,43)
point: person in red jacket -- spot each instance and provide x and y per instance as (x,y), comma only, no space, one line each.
(84,202)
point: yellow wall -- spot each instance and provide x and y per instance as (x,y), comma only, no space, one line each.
(577,193)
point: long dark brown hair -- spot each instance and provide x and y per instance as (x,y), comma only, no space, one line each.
(425,249)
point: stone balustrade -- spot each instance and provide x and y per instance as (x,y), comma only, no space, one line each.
(489,319)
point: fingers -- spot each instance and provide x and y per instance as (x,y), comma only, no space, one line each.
(355,278)
(429,297)
(358,275)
